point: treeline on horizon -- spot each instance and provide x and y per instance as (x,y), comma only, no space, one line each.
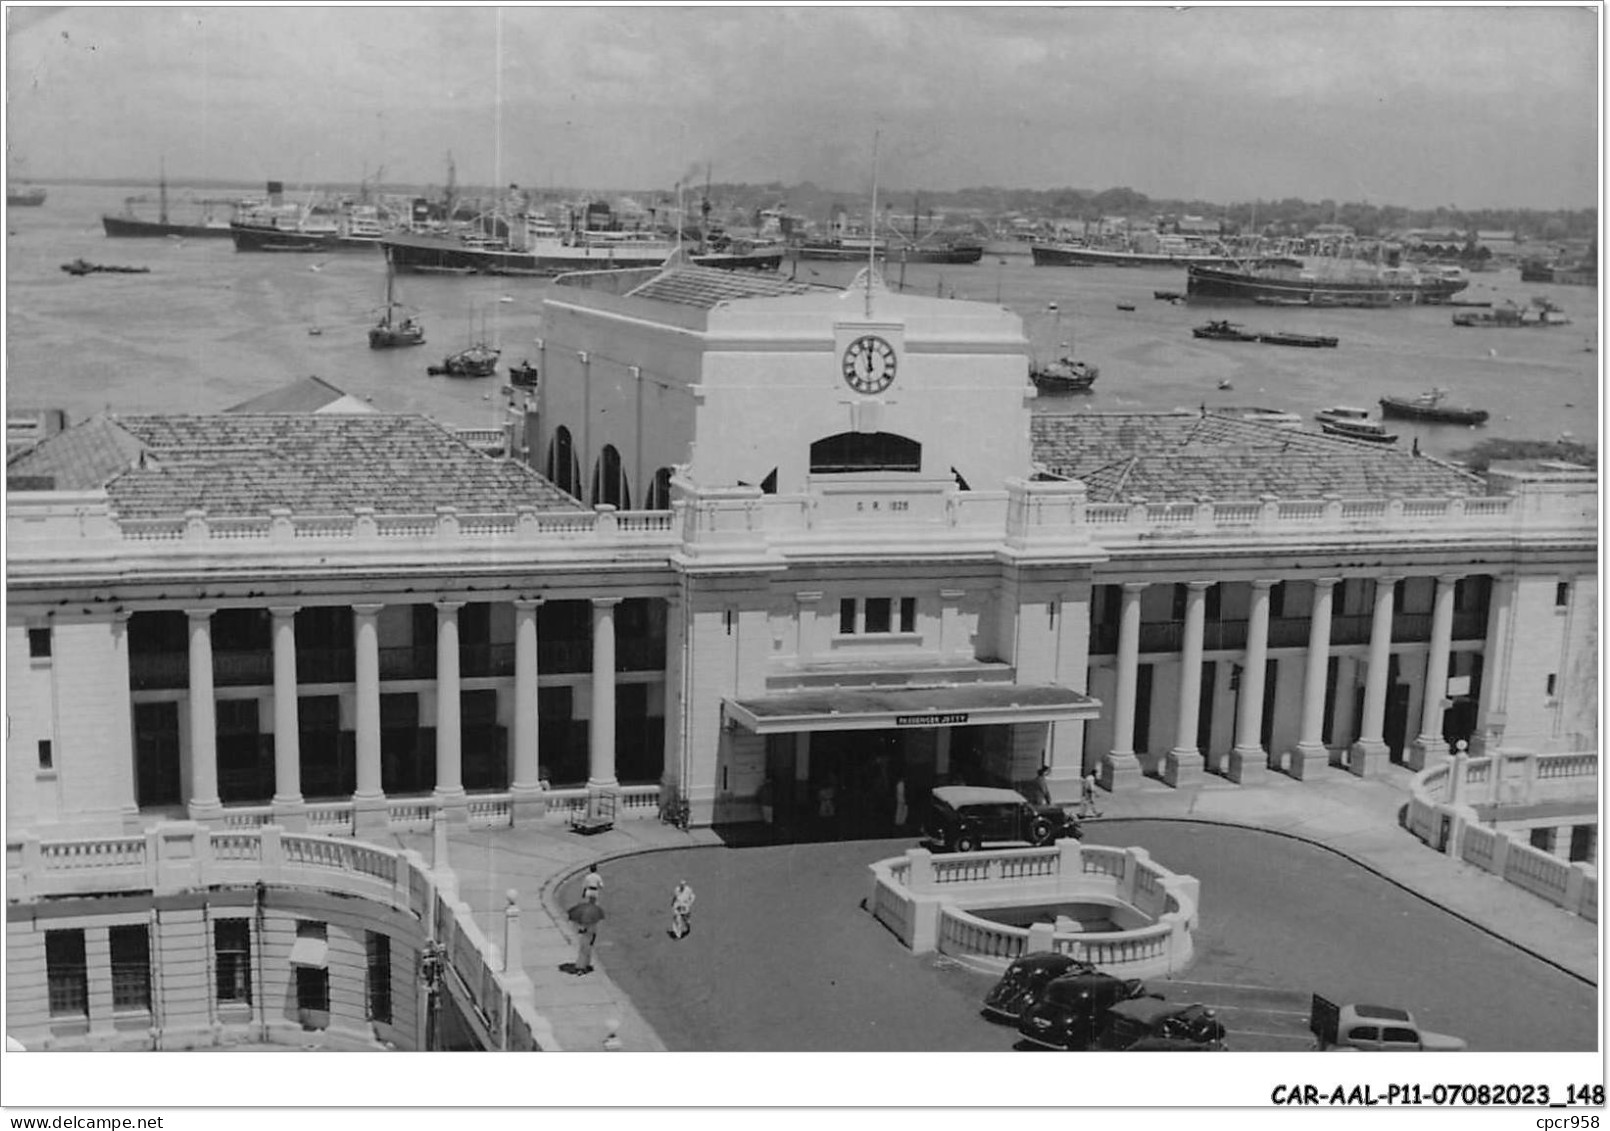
(1291,215)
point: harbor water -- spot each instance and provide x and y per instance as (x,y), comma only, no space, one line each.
(210,327)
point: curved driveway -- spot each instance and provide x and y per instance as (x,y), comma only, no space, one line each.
(783,958)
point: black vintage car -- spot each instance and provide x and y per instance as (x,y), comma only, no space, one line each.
(1072,1012)
(963,818)
(1025,980)
(1155,1025)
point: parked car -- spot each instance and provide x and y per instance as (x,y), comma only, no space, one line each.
(963,818)
(1072,1012)
(1151,1024)
(1025,980)
(1376,1028)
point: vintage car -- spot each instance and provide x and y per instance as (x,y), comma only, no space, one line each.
(1156,1025)
(1072,1012)
(963,818)
(1025,980)
(1373,1028)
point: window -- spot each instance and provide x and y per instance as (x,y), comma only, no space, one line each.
(1277,600)
(877,614)
(850,452)
(46,756)
(1562,595)
(1542,838)
(64,970)
(131,967)
(908,614)
(1581,843)
(232,948)
(313,989)
(378,947)
(39,643)
(847,616)
(1398,1036)
(312,976)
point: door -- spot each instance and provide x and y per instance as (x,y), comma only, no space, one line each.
(156,754)
(1143,708)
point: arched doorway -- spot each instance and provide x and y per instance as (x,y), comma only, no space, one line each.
(563,468)
(609,480)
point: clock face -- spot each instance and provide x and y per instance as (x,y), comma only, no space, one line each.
(869,364)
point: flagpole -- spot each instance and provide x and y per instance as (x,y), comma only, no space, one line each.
(872,227)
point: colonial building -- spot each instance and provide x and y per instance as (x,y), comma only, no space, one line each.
(783,532)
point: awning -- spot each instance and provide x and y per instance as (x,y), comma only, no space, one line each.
(309,951)
(882,708)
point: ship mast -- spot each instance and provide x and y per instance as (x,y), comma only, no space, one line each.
(162,189)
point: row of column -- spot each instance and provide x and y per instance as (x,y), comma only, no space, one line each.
(449,792)
(1184,758)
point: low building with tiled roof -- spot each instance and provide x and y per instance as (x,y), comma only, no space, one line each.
(1119,456)
(764,501)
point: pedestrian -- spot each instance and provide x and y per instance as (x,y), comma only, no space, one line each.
(1087,795)
(593,885)
(681,909)
(1041,790)
(900,813)
(586,916)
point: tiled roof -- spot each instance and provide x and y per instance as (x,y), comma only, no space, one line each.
(81,458)
(246,464)
(307,395)
(706,287)
(1185,455)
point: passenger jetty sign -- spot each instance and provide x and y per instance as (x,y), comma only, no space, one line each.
(929,720)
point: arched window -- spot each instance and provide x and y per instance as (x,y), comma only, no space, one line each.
(659,491)
(564,469)
(852,452)
(609,480)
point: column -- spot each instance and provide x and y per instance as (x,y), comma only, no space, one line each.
(289,809)
(124,742)
(1492,711)
(449,792)
(1121,768)
(805,620)
(204,802)
(524,791)
(369,802)
(1310,748)
(1248,758)
(601,731)
(1183,764)
(1430,746)
(1370,750)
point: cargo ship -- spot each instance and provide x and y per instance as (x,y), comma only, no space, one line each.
(128,225)
(1086,255)
(1333,284)
(547,251)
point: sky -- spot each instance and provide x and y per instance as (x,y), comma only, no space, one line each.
(1466,106)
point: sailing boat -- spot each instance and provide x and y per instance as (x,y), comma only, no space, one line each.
(389,333)
(479,360)
(1064,375)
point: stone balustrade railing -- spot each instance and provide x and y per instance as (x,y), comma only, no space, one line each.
(1449,802)
(184,855)
(928,902)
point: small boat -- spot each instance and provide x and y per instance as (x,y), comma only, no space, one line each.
(479,360)
(1311,341)
(1126,306)
(524,375)
(1064,375)
(1168,296)
(85,267)
(1354,423)
(1258,414)
(30,197)
(1468,302)
(1542,313)
(1372,431)
(389,332)
(1429,406)
(1222,331)
(1272,300)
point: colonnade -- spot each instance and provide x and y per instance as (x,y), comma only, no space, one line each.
(1184,762)
(369,800)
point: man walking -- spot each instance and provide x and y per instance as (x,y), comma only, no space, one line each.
(681,910)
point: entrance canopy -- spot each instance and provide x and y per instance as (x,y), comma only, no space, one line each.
(882,708)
